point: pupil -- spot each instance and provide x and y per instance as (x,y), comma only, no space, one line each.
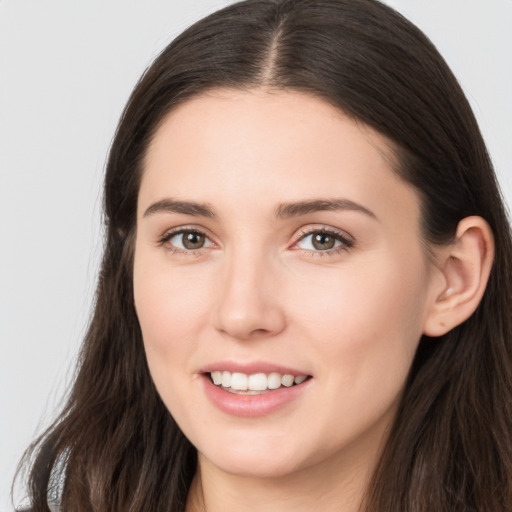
(193,240)
(323,241)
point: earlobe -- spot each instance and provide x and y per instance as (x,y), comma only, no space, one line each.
(465,267)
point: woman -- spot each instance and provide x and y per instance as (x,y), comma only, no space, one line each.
(304,300)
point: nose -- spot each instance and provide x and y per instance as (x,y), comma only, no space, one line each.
(248,299)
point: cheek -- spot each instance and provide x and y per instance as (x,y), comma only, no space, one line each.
(366,322)
(363,327)
(170,316)
(366,298)
(168,304)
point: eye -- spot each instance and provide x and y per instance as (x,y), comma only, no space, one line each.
(187,240)
(324,241)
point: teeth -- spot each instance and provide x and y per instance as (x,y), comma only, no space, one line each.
(287,380)
(237,381)
(217,378)
(226,379)
(274,381)
(258,382)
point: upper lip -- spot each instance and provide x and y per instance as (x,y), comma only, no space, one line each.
(251,367)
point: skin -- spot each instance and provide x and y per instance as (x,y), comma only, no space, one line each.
(258,290)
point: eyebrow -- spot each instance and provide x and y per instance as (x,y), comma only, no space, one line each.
(184,207)
(289,210)
(283,211)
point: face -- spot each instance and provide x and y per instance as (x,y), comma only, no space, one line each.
(275,244)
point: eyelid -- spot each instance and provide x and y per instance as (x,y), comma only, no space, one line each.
(170,233)
(347,240)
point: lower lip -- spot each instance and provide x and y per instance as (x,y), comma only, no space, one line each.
(252,405)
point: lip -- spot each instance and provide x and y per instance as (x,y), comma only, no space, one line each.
(251,406)
(250,368)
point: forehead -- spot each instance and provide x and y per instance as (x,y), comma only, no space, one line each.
(278,146)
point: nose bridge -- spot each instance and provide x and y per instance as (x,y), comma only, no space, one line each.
(247,302)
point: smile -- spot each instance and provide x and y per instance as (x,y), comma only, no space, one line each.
(255,383)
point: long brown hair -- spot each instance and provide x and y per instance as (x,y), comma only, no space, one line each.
(450,448)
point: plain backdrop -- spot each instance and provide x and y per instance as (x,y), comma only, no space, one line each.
(66,70)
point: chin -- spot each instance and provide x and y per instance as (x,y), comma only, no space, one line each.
(256,467)
(253,459)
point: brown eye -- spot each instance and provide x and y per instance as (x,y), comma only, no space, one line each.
(192,240)
(188,240)
(323,241)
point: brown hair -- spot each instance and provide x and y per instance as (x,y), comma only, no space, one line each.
(451,445)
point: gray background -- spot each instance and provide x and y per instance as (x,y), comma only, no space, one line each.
(66,70)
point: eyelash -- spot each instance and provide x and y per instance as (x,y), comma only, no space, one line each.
(346,243)
(164,240)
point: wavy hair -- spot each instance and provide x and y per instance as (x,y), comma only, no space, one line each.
(450,448)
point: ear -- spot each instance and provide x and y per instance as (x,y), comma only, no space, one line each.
(465,266)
